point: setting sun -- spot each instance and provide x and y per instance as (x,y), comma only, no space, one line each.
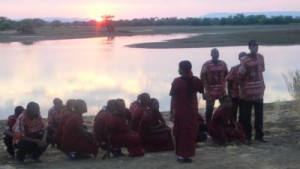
(99,19)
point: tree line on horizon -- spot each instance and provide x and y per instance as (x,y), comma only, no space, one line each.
(27,26)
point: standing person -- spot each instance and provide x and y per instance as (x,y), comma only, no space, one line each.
(223,128)
(55,115)
(156,135)
(8,131)
(76,141)
(184,111)
(252,91)
(233,88)
(213,75)
(30,133)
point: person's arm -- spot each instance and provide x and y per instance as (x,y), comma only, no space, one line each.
(162,121)
(236,128)
(159,130)
(226,70)
(108,146)
(40,142)
(7,131)
(81,129)
(223,135)
(129,119)
(172,109)
(220,124)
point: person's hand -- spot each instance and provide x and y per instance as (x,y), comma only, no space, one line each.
(204,96)
(42,143)
(172,117)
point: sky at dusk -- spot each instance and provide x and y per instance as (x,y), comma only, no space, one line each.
(129,9)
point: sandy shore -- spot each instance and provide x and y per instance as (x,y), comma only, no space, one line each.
(281,127)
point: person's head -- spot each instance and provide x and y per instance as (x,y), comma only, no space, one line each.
(80,106)
(185,67)
(70,104)
(112,106)
(32,110)
(242,55)
(214,54)
(154,104)
(58,103)
(19,110)
(225,101)
(121,104)
(253,47)
(144,99)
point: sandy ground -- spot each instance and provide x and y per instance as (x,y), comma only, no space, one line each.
(282,129)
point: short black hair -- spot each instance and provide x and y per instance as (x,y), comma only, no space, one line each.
(252,41)
(242,54)
(19,110)
(185,66)
(57,101)
(33,107)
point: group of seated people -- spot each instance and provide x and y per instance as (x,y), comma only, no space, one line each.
(140,129)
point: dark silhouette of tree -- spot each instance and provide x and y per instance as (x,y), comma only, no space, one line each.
(56,23)
(25,26)
(108,23)
(6,24)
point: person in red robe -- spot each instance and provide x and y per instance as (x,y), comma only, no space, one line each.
(184,111)
(55,115)
(111,128)
(8,131)
(30,134)
(223,128)
(156,135)
(99,127)
(233,87)
(125,111)
(137,108)
(76,141)
(202,130)
(69,108)
(213,73)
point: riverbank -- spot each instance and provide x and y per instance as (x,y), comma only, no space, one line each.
(281,126)
(205,36)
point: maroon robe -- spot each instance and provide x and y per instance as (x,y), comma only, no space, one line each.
(222,118)
(73,140)
(99,128)
(155,141)
(116,126)
(59,130)
(121,136)
(136,114)
(186,115)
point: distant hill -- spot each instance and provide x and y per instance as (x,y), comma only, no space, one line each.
(66,19)
(267,14)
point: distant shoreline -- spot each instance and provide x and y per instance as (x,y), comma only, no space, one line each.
(208,36)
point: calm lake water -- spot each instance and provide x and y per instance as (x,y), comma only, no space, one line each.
(98,69)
